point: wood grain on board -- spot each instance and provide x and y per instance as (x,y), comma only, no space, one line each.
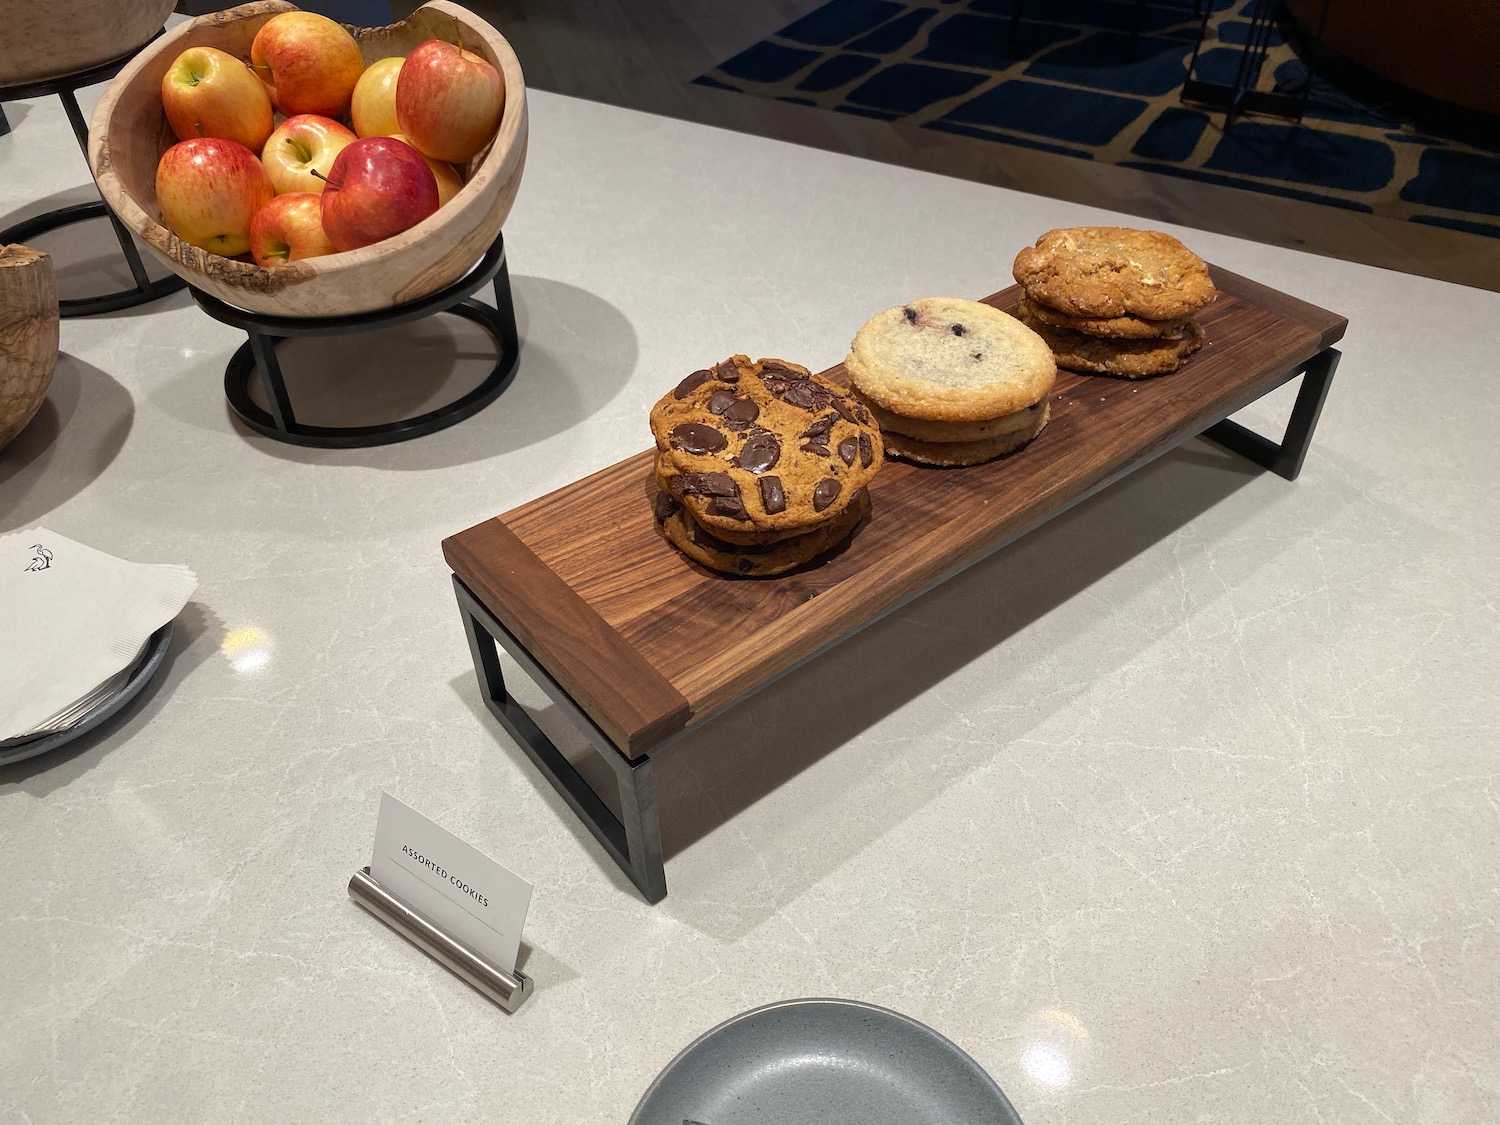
(648,642)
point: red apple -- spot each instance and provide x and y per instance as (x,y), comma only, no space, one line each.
(448,101)
(309,63)
(289,228)
(373,109)
(209,189)
(378,187)
(210,93)
(301,145)
(449,182)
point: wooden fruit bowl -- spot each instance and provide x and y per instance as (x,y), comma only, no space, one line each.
(129,133)
(45,39)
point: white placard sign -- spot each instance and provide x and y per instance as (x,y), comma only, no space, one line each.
(460,888)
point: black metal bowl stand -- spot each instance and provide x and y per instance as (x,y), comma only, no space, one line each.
(145,289)
(256,359)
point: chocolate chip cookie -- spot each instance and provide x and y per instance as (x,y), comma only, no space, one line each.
(1114,271)
(756,560)
(759,450)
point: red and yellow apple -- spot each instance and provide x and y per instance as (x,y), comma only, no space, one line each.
(210,93)
(373,108)
(448,101)
(309,63)
(449,182)
(288,229)
(209,189)
(301,145)
(378,187)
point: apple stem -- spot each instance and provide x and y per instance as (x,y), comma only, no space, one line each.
(335,184)
(458,31)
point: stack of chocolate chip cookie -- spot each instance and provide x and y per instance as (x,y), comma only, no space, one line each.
(951,382)
(1114,301)
(762,465)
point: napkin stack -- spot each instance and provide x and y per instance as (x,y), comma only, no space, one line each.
(73,624)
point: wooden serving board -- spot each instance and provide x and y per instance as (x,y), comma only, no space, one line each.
(648,643)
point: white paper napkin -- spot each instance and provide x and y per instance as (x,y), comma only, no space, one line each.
(71,619)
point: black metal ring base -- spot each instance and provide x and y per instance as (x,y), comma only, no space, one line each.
(145,290)
(242,369)
(255,360)
(106,302)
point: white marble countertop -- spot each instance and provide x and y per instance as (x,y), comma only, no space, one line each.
(1183,808)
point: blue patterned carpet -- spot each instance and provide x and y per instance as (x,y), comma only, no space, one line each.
(1065,82)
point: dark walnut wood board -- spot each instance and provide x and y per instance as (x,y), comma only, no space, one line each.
(648,643)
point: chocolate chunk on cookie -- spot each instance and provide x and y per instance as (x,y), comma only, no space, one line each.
(694,437)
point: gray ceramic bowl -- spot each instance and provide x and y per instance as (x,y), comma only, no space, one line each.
(829,1062)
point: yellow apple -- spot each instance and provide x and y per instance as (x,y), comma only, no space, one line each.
(373,109)
(448,180)
(300,146)
(209,93)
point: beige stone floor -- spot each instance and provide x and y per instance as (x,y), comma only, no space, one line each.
(643,54)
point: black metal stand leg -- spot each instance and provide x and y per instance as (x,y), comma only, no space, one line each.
(505,307)
(263,350)
(127,244)
(255,362)
(634,842)
(145,289)
(1285,459)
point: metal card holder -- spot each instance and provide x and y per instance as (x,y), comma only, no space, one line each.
(507,989)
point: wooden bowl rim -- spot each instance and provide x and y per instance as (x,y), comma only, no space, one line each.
(492,160)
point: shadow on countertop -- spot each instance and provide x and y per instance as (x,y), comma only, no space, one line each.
(393,373)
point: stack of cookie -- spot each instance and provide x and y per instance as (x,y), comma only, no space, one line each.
(762,465)
(951,382)
(1114,301)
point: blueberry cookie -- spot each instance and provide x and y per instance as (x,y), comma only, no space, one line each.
(951,382)
(944,359)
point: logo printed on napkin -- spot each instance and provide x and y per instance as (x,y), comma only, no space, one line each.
(74,619)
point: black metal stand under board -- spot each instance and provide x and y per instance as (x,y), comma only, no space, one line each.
(256,358)
(146,289)
(633,840)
